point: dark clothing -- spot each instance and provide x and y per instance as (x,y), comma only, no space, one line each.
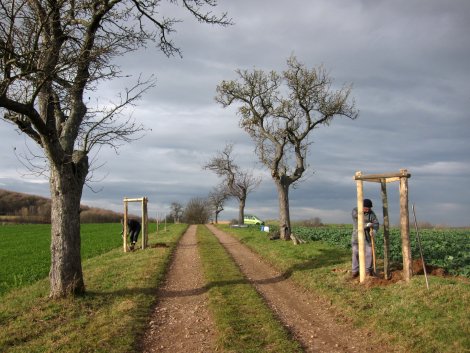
(369,217)
(134,230)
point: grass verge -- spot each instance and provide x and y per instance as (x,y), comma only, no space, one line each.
(406,314)
(244,321)
(111,316)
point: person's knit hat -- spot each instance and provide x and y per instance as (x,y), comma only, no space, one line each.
(367,203)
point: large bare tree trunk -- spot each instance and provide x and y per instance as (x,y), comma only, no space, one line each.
(241,211)
(66,184)
(284,215)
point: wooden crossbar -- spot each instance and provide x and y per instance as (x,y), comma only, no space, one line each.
(389,177)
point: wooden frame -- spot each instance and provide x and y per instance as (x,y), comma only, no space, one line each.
(383,179)
(144,238)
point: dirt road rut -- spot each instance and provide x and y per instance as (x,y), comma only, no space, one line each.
(182,322)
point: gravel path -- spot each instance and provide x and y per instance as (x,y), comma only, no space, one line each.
(182,323)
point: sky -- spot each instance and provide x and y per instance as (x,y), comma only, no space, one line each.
(409,65)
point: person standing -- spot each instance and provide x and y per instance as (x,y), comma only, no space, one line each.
(370,222)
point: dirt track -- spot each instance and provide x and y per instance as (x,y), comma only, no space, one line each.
(182,322)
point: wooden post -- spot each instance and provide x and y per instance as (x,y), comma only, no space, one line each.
(386,226)
(360,229)
(144,223)
(157,223)
(124,232)
(405,227)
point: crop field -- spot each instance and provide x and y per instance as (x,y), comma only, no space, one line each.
(445,248)
(25,250)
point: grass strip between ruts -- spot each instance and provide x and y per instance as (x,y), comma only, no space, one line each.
(244,321)
(405,314)
(110,317)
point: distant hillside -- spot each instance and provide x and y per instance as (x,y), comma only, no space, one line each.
(24,208)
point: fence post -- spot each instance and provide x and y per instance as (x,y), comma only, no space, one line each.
(360,229)
(405,227)
(383,185)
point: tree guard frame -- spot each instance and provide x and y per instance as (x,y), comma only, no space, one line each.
(402,176)
(144,221)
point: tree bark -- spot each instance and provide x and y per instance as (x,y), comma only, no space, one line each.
(241,211)
(66,184)
(284,215)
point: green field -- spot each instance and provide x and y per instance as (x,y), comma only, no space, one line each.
(25,250)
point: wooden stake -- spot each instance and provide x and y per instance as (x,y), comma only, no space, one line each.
(374,261)
(405,228)
(124,233)
(144,223)
(386,227)
(420,247)
(157,222)
(360,228)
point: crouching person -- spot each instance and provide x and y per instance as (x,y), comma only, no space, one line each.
(133,228)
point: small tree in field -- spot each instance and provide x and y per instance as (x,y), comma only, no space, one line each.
(176,211)
(53,53)
(238,183)
(280,111)
(217,198)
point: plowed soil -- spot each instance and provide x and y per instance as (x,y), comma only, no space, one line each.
(182,322)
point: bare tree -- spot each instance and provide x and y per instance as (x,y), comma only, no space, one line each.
(53,54)
(239,183)
(197,211)
(280,126)
(217,198)
(176,211)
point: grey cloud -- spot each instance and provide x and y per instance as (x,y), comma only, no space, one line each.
(407,61)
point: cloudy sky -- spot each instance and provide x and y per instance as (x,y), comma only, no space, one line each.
(408,61)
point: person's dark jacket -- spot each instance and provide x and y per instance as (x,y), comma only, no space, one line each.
(369,217)
(133,225)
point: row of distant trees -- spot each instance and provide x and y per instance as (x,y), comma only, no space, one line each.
(24,207)
(236,183)
(198,210)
